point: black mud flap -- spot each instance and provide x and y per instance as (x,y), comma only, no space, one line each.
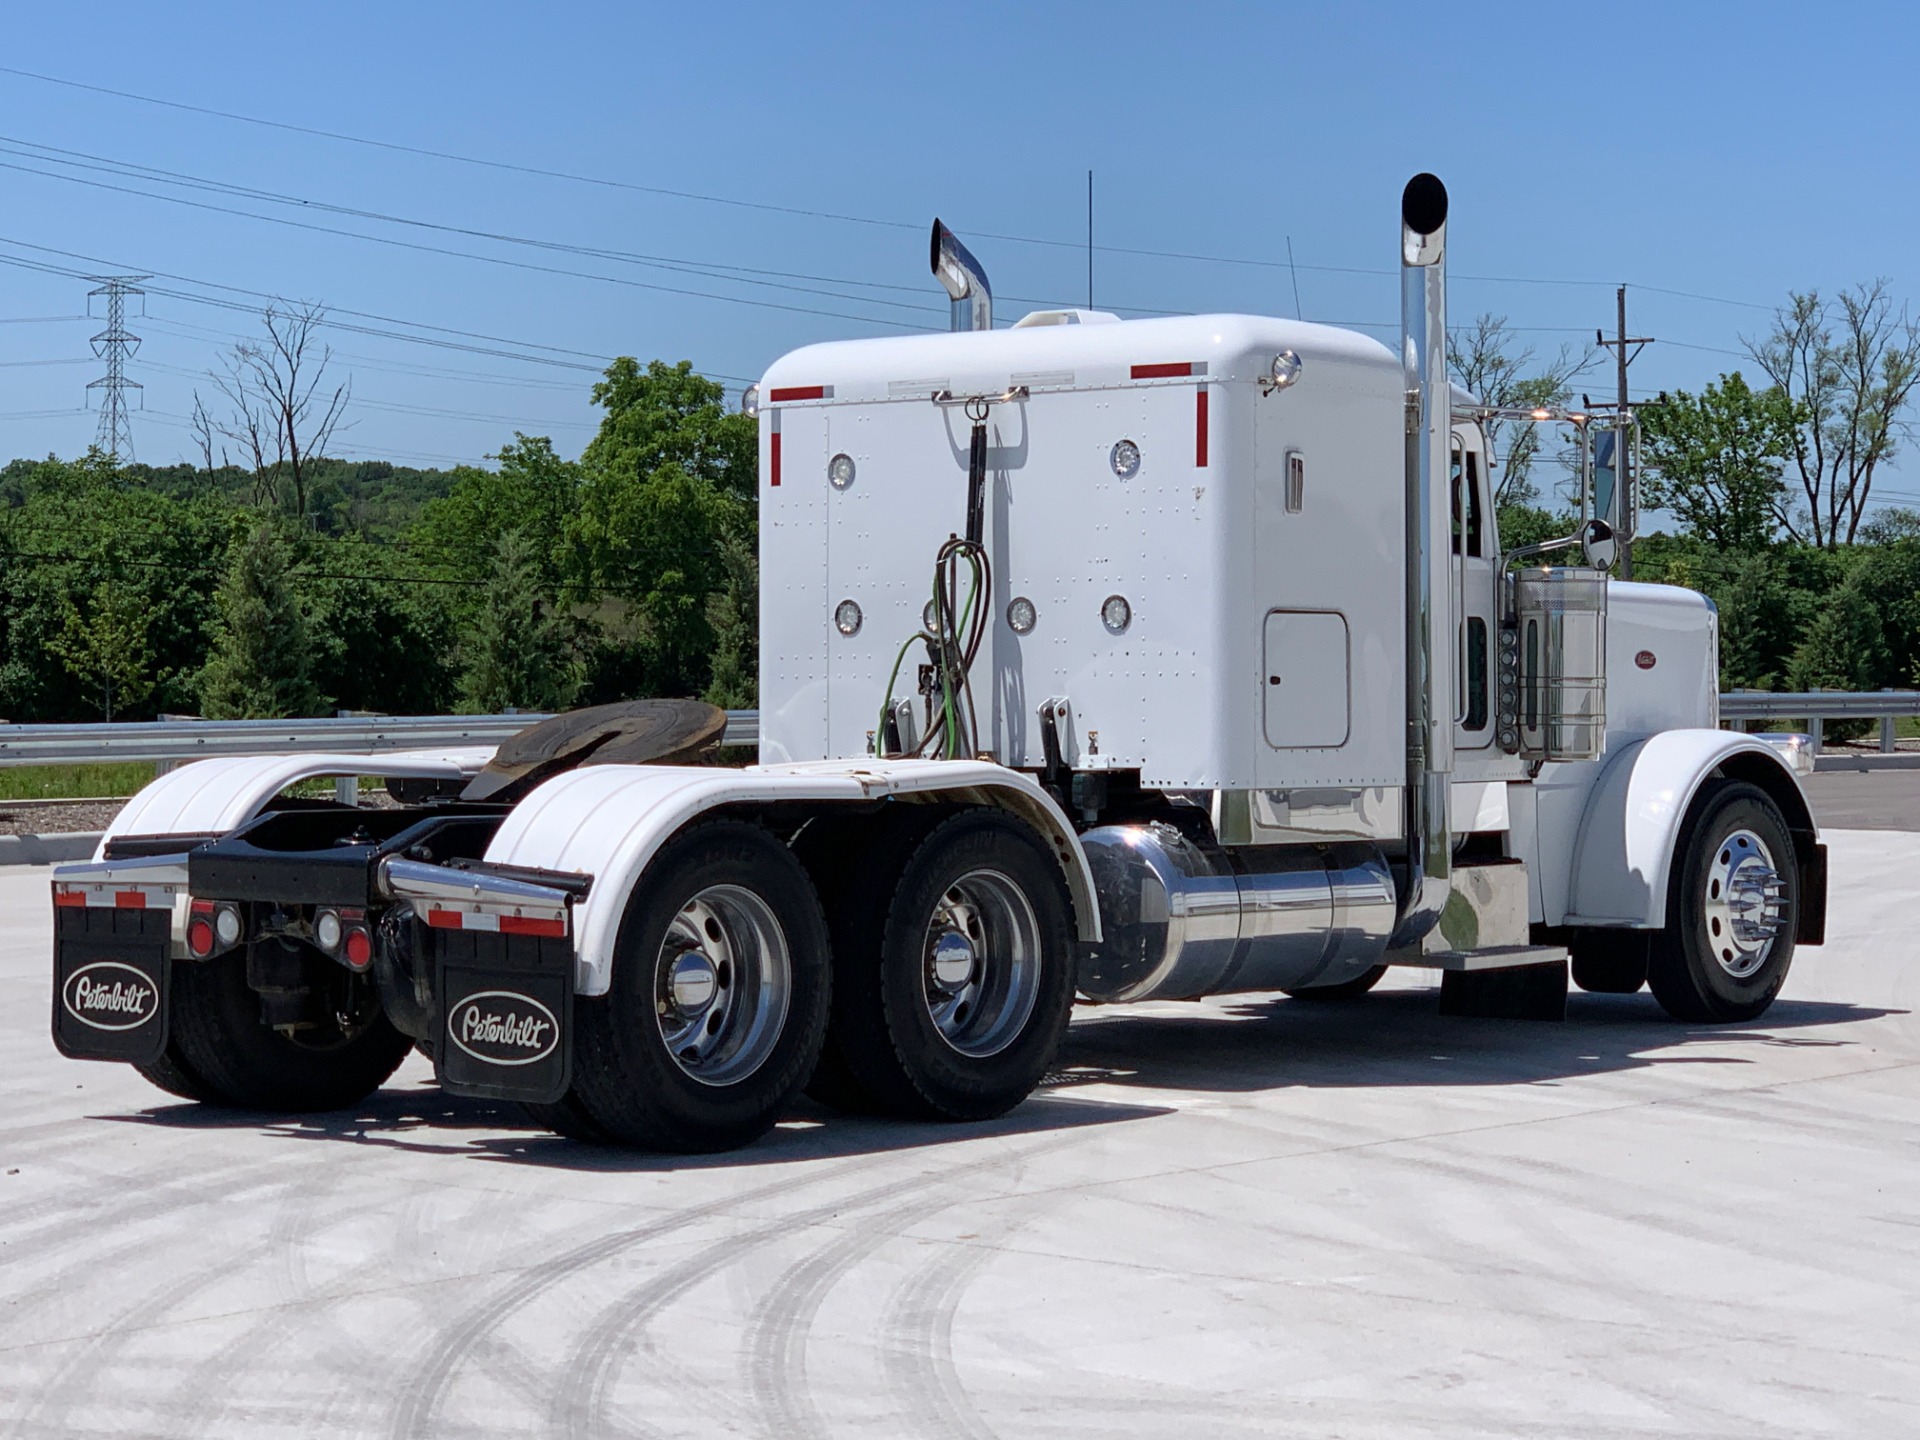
(1812,929)
(506,1014)
(110,973)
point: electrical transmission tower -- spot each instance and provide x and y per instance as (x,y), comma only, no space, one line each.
(115,346)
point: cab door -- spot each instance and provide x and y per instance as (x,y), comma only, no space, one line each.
(1476,568)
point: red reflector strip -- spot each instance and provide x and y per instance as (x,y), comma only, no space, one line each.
(773,454)
(1163,372)
(69,898)
(130,899)
(1200,427)
(555,928)
(202,907)
(801,392)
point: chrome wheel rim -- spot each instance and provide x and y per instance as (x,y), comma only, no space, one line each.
(980,965)
(1745,904)
(722,982)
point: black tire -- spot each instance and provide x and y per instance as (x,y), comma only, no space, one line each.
(1692,965)
(567,1116)
(217,1029)
(1610,962)
(1346,990)
(884,1030)
(626,1078)
(173,1075)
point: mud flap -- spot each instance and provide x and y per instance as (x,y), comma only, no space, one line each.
(506,1014)
(110,981)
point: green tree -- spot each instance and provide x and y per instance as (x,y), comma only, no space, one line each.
(260,667)
(379,643)
(103,641)
(1844,648)
(669,416)
(733,614)
(519,651)
(532,491)
(1714,460)
(1490,363)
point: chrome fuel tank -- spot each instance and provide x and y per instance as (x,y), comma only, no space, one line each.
(1181,922)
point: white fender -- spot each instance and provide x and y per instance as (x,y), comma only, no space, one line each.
(609,821)
(1623,850)
(210,797)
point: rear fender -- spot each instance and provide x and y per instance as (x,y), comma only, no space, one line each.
(609,821)
(1623,852)
(211,797)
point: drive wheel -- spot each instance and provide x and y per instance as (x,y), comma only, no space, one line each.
(225,1047)
(173,1075)
(1346,990)
(719,996)
(960,1007)
(1732,908)
(1610,962)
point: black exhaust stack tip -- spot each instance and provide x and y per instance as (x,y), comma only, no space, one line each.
(934,255)
(1423,204)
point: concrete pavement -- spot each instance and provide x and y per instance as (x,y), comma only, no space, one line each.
(1246,1217)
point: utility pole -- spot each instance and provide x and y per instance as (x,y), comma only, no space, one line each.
(1623,413)
(116,346)
(1089,239)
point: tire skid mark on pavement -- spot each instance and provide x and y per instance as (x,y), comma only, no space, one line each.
(59,1393)
(415,1415)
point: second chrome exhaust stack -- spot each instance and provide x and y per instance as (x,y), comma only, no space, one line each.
(965,282)
(1429,634)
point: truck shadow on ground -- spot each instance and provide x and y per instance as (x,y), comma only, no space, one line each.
(1398,1038)
(1389,1038)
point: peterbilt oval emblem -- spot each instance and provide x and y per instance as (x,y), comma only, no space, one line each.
(1646,659)
(110,996)
(503,1027)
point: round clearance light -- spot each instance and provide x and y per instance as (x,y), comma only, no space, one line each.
(929,617)
(199,938)
(1021,616)
(359,949)
(326,929)
(1125,459)
(840,471)
(226,925)
(1116,614)
(847,617)
(1284,370)
(750,400)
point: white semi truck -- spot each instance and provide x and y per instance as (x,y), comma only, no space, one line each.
(1133,660)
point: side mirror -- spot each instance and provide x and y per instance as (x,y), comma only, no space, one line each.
(1599,544)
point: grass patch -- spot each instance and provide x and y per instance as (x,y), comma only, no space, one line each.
(67,782)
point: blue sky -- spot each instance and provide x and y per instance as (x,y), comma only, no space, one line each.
(1729,152)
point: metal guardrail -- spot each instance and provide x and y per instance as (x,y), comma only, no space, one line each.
(170,742)
(1741,707)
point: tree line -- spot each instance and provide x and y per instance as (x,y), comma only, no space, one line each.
(283,584)
(1769,474)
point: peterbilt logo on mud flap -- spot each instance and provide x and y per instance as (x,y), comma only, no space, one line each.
(503,1027)
(110,996)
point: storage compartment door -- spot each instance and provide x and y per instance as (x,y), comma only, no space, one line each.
(1307,706)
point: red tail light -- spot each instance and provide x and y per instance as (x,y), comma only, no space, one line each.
(357,948)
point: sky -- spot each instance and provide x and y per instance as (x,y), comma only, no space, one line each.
(750,178)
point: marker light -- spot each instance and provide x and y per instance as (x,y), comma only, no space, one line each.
(750,400)
(1284,370)
(326,929)
(359,948)
(1125,459)
(1116,614)
(1021,616)
(226,925)
(840,471)
(199,938)
(847,617)
(929,618)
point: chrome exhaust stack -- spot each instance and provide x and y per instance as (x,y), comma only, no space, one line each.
(964,280)
(1427,877)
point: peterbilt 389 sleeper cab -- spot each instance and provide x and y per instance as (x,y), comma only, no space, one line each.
(1128,660)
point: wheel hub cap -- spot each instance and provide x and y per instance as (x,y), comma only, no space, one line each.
(982,963)
(1745,904)
(722,983)
(694,981)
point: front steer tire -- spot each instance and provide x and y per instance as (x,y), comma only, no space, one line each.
(1702,968)
(230,1056)
(718,1000)
(916,1036)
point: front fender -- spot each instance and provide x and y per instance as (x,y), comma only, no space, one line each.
(609,821)
(1623,852)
